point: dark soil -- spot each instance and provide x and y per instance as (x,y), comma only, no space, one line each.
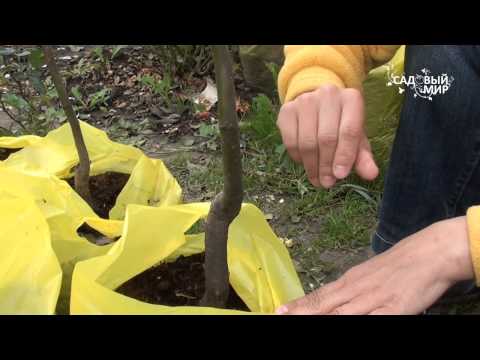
(104,189)
(180,283)
(5,153)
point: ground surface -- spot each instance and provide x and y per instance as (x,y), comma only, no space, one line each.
(327,232)
(180,283)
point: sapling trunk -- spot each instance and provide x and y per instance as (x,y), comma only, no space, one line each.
(226,205)
(82,172)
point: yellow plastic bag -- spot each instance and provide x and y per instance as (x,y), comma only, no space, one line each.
(32,173)
(382,100)
(383,104)
(150,182)
(30,275)
(63,209)
(261,271)
(56,153)
(14,142)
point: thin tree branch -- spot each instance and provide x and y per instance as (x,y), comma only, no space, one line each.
(227,204)
(82,172)
(6,111)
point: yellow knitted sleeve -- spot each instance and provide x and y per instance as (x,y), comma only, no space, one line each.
(473,220)
(307,67)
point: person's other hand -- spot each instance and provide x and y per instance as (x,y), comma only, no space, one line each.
(324,130)
(406,279)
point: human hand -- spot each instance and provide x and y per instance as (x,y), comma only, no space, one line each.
(324,130)
(406,279)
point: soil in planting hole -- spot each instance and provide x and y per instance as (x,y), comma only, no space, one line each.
(104,189)
(5,153)
(179,283)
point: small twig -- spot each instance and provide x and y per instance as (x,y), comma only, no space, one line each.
(24,95)
(5,110)
(179,294)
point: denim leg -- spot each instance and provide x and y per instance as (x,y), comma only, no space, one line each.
(434,169)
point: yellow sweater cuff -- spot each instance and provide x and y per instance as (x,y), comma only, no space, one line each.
(473,221)
(310,79)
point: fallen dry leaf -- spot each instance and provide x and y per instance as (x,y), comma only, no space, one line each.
(242,106)
(204,115)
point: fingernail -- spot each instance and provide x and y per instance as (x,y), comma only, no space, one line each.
(328,181)
(340,171)
(281,310)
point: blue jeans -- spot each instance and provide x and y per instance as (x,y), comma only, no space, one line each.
(434,169)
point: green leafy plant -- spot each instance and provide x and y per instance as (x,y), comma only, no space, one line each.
(181,59)
(274,70)
(163,87)
(99,98)
(105,55)
(99,52)
(160,87)
(262,121)
(82,68)
(92,101)
(116,51)
(26,95)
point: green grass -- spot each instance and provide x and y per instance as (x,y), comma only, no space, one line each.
(348,225)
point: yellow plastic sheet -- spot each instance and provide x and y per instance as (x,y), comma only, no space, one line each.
(62,208)
(34,173)
(56,153)
(12,142)
(30,275)
(150,182)
(383,102)
(261,271)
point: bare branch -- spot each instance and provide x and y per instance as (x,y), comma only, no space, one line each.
(82,172)
(227,204)
(11,116)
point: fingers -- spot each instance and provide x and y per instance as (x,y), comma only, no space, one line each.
(361,305)
(324,131)
(307,135)
(288,125)
(365,165)
(321,301)
(329,119)
(350,133)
